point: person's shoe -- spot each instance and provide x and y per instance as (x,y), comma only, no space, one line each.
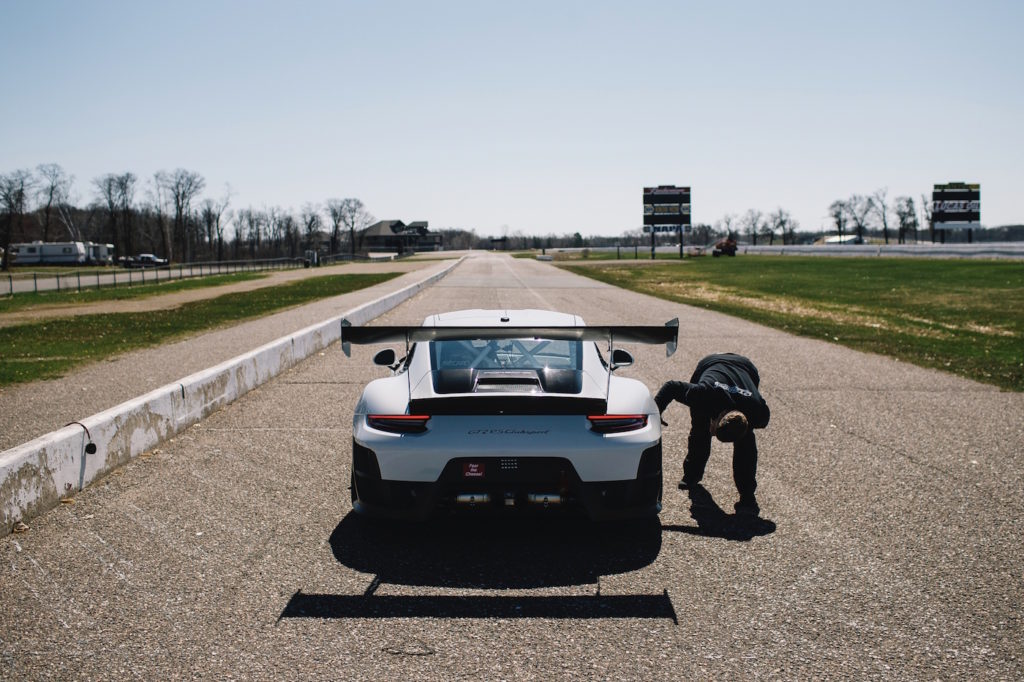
(747,506)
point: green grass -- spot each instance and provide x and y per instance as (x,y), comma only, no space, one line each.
(962,316)
(122,292)
(51,348)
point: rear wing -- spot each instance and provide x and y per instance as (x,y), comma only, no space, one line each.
(667,334)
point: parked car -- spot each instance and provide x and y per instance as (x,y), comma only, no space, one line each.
(506,411)
(145,260)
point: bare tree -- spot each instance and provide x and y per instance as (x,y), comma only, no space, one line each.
(125,188)
(839,210)
(792,226)
(290,228)
(860,208)
(160,195)
(54,188)
(76,221)
(926,217)
(906,214)
(880,207)
(15,190)
(354,217)
(150,227)
(751,223)
(213,218)
(726,224)
(783,222)
(312,221)
(251,224)
(182,186)
(106,196)
(334,212)
(275,227)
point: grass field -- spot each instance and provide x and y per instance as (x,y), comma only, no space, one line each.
(24,301)
(962,316)
(50,348)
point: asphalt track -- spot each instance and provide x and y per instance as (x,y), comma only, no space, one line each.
(889,547)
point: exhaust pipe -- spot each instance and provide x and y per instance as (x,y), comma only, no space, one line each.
(544,499)
(472,499)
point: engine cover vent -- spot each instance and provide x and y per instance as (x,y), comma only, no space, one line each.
(507,382)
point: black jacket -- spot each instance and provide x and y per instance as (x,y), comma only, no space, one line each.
(723,382)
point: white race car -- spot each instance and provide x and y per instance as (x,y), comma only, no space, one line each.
(507,411)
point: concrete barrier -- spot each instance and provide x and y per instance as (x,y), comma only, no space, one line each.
(1001,250)
(35,476)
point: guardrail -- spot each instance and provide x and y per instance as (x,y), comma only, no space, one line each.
(1013,250)
(99,276)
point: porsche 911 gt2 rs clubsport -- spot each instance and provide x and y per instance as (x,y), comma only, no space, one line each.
(506,411)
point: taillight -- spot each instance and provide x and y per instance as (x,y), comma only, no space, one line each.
(398,423)
(617,423)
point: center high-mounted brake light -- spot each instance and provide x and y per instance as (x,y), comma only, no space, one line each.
(616,423)
(398,423)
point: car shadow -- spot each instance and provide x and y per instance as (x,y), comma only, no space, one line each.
(489,554)
(712,521)
(494,553)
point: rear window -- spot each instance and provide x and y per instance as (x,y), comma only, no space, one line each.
(506,354)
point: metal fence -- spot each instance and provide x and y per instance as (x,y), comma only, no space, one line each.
(99,277)
(1011,250)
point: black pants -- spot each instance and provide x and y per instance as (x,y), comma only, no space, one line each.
(744,451)
(744,455)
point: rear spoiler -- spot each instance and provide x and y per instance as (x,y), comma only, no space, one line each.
(667,334)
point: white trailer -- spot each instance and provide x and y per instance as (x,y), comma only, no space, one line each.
(49,253)
(100,254)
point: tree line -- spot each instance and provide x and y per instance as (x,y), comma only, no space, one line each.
(167,215)
(859,215)
(863,213)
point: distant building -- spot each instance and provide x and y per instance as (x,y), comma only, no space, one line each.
(396,236)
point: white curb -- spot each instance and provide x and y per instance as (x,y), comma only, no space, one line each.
(35,476)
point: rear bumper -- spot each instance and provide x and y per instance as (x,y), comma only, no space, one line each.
(510,486)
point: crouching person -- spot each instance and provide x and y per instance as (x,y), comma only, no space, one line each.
(724,402)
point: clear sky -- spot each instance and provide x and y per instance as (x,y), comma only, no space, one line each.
(533,117)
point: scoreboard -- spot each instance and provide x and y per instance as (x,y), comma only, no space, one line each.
(666,208)
(956,206)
